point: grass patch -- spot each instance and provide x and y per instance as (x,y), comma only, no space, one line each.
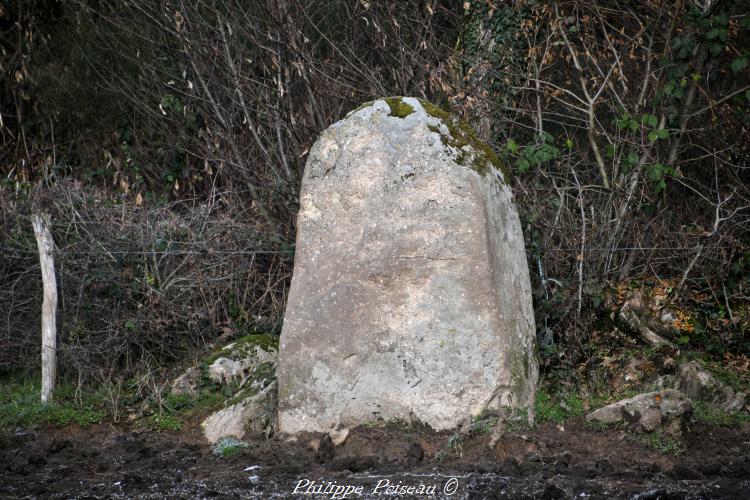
(171,413)
(21,406)
(165,422)
(484,423)
(705,413)
(557,407)
(662,442)
(598,426)
(228,446)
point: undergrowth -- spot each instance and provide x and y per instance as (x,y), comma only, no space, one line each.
(21,406)
(706,414)
(660,441)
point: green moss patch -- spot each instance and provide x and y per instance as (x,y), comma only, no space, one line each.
(481,157)
(243,346)
(399,108)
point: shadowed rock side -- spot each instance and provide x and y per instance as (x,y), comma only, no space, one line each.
(410,297)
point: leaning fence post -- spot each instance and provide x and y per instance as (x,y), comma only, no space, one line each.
(46,245)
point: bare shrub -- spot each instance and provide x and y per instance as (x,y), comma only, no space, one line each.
(138,285)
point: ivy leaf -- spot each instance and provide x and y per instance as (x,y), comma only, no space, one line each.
(522,165)
(662,133)
(739,64)
(715,49)
(652,136)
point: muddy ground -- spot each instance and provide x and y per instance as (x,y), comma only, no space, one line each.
(570,461)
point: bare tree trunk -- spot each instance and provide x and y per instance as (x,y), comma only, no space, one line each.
(49,305)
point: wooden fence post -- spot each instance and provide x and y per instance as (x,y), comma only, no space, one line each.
(46,245)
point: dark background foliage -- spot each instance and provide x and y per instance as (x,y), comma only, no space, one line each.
(167,140)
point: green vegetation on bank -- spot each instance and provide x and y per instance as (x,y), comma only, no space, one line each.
(20,405)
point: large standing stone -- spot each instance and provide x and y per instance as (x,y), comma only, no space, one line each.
(410,297)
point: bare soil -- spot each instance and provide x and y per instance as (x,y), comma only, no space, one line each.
(551,461)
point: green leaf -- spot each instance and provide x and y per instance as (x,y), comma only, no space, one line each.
(652,136)
(723,35)
(715,49)
(522,165)
(662,133)
(512,146)
(650,120)
(712,34)
(739,64)
(631,159)
(697,77)
(569,144)
(611,149)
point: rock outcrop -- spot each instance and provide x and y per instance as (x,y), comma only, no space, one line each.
(699,384)
(410,297)
(249,366)
(251,412)
(667,409)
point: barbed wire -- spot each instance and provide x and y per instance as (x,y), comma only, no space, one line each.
(209,252)
(9,250)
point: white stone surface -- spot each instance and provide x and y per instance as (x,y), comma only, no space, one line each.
(410,297)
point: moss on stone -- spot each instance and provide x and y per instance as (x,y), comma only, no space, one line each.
(262,376)
(519,374)
(399,108)
(242,346)
(480,157)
